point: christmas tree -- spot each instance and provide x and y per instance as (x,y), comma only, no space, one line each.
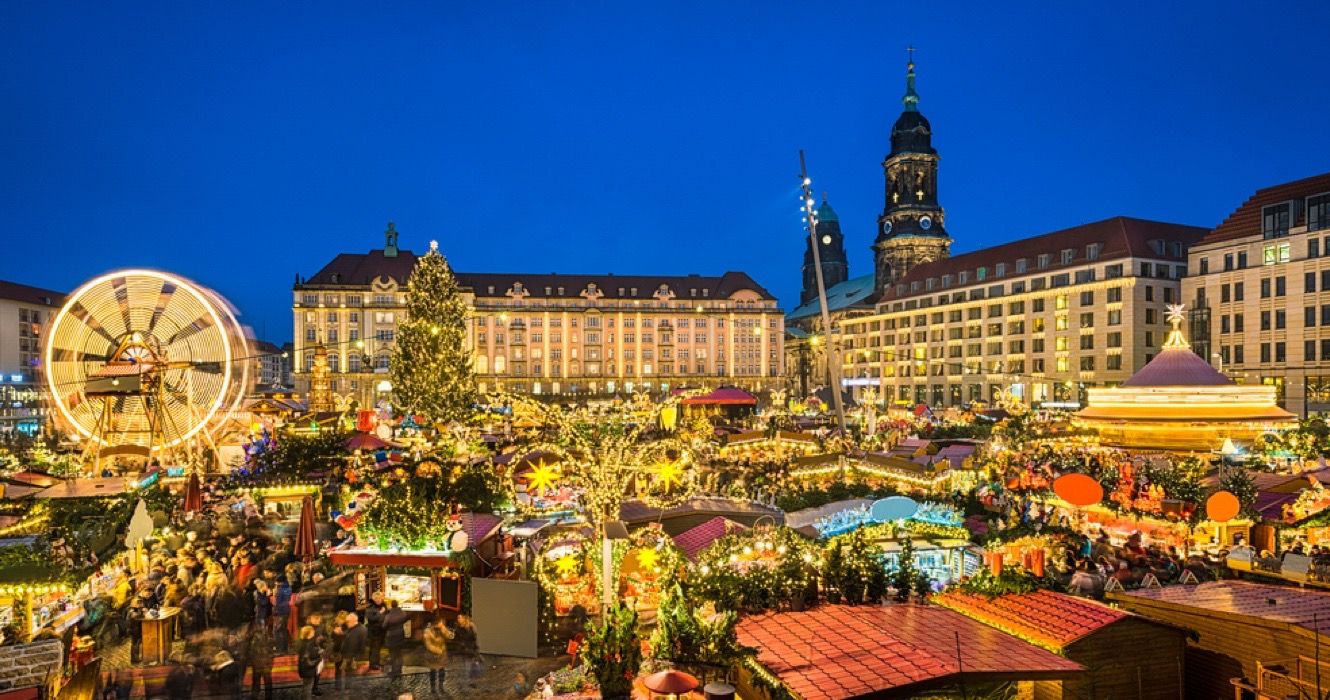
(431,363)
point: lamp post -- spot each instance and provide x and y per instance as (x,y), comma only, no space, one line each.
(833,359)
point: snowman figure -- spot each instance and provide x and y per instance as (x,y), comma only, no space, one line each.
(456,540)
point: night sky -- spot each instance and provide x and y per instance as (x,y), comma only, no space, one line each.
(242,143)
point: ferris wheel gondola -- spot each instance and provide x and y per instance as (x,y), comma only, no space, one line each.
(141,362)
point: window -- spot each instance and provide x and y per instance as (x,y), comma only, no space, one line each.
(1150,316)
(1037,305)
(1087,298)
(1149,339)
(1226,326)
(1318,214)
(1280,287)
(1228,262)
(1020,265)
(1204,266)
(1309,282)
(1063,364)
(1280,355)
(1115,295)
(1237,323)
(1087,320)
(1092,251)
(1113,271)
(1237,354)
(1265,320)
(1060,344)
(1087,364)
(1224,293)
(1087,342)
(1114,362)
(1115,339)
(1242,260)
(1308,317)
(1274,220)
(1313,244)
(1265,352)
(1115,317)
(1265,288)
(1037,345)
(1043,260)
(1281,319)
(1237,291)
(1149,292)
(1068,255)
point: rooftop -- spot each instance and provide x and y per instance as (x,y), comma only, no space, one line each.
(1246,219)
(361,269)
(13,291)
(1118,237)
(1046,618)
(839,651)
(1296,607)
(696,539)
(848,294)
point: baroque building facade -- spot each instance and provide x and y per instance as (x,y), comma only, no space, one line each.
(1259,293)
(558,335)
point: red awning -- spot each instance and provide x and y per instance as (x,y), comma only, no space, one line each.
(724,396)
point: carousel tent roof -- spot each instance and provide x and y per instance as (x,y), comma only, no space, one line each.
(1177,366)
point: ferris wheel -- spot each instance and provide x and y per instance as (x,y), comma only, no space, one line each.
(144,363)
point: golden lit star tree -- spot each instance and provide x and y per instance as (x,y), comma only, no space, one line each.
(431,363)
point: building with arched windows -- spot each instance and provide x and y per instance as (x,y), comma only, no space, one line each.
(549,334)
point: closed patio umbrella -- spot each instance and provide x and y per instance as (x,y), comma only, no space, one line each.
(193,494)
(304,544)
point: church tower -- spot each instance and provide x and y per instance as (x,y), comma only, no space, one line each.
(911,228)
(831,251)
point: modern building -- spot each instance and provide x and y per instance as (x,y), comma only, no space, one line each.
(1259,291)
(548,334)
(25,314)
(1041,318)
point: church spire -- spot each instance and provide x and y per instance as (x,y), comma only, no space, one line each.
(911,98)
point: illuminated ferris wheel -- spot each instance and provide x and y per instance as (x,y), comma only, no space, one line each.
(144,363)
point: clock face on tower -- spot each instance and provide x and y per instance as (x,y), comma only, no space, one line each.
(925,222)
(886,227)
(826,240)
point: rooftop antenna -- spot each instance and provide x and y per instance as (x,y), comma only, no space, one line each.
(833,358)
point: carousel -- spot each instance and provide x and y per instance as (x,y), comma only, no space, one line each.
(1179,402)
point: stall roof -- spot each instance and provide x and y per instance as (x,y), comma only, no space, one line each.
(696,539)
(837,651)
(1295,607)
(724,396)
(1050,619)
(87,488)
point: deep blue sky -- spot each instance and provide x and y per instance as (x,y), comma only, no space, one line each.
(242,143)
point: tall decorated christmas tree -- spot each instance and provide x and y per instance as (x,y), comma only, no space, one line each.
(431,364)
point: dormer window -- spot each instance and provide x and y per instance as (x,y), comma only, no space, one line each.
(1092,251)
(548,290)
(1000,269)
(963,276)
(1043,261)
(932,281)
(490,289)
(560,291)
(981,274)
(1068,255)
(1318,212)
(1275,220)
(706,292)
(633,291)
(946,280)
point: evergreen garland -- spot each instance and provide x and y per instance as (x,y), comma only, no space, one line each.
(431,363)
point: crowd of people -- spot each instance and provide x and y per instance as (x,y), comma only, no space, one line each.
(246,602)
(1097,561)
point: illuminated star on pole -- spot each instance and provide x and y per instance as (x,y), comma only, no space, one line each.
(566,565)
(647,558)
(669,473)
(542,478)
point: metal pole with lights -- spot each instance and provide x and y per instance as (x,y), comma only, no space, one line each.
(833,359)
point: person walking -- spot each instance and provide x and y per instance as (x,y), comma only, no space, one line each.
(261,653)
(373,618)
(436,653)
(262,603)
(281,612)
(468,646)
(227,674)
(354,642)
(180,681)
(309,663)
(394,637)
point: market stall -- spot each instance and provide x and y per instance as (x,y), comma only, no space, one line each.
(422,581)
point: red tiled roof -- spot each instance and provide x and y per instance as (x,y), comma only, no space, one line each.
(1178,367)
(479,526)
(1120,237)
(1246,219)
(837,651)
(1294,606)
(1049,619)
(360,269)
(696,539)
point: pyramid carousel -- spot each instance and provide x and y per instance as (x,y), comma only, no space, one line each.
(1179,402)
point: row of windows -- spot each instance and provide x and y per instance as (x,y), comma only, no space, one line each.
(1037,365)
(595,322)
(1113,295)
(1276,219)
(1066,256)
(1147,269)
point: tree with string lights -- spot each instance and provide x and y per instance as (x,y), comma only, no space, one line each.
(431,364)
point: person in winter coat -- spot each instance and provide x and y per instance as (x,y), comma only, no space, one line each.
(394,637)
(372,617)
(436,653)
(227,674)
(261,652)
(309,662)
(180,681)
(354,641)
(262,604)
(281,612)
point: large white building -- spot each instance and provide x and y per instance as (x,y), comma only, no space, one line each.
(548,334)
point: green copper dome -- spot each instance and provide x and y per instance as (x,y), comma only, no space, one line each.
(826,213)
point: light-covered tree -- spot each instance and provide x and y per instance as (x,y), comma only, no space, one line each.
(431,363)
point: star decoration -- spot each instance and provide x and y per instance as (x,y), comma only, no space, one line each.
(542,478)
(647,558)
(566,565)
(669,473)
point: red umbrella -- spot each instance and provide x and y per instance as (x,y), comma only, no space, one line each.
(304,545)
(670,683)
(193,494)
(365,442)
